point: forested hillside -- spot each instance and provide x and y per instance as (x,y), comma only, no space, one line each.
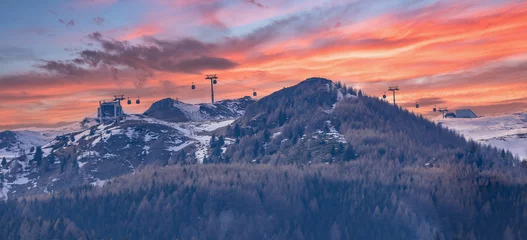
(339,201)
(318,160)
(318,121)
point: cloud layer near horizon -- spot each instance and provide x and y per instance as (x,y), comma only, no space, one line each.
(444,53)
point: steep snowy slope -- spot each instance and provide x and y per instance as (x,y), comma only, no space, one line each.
(95,153)
(507,132)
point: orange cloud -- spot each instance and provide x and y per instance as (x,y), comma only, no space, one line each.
(141,31)
(445,53)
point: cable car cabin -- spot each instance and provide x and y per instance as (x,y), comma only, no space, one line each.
(129,101)
(384,96)
(193,86)
(109,110)
(215,81)
(137,101)
(417,105)
(254,93)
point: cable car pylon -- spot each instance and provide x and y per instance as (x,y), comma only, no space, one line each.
(393,89)
(213,80)
(443,111)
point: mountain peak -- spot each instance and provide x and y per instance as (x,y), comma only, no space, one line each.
(172,110)
(316,80)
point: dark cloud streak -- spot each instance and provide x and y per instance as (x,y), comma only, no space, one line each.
(180,56)
(254,2)
(63,68)
(98,20)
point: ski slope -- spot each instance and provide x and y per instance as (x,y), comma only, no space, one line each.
(506,131)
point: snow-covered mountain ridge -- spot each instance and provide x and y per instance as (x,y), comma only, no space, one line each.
(93,153)
(172,110)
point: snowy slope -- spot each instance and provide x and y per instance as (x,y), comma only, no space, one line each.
(506,132)
(176,111)
(101,152)
(14,142)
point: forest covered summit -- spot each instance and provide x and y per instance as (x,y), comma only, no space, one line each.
(320,121)
(318,160)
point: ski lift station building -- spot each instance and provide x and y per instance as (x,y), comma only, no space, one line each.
(109,110)
(465,113)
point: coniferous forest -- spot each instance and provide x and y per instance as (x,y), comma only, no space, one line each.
(236,201)
(301,167)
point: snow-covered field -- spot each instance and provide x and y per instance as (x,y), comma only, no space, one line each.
(507,131)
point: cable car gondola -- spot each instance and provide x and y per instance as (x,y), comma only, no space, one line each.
(416,105)
(193,86)
(435,109)
(384,96)
(215,81)
(137,101)
(129,101)
(254,93)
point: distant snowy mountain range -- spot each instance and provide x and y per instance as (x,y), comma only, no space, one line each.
(506,131)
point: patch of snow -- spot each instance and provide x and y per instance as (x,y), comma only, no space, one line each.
(150,136)
(340,97)
(81,164)
(178,148)
(146,150)
(131,133)
(201,152)
(87,154)
(80,136)
(334,134)
(47,151)
(96,141)
(99,183)
(20,181)
(109,155)
(276,134)
(211,126)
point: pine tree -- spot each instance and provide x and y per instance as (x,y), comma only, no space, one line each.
(340,149)
(282,118)
(221,141)
(22,155)
(75,165)
(4,162)
(37,158)
(349,153)
(267,135)
(213,141)
(64,163)
(51,160)
(237,131)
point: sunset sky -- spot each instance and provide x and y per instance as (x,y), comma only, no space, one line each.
(59,58)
